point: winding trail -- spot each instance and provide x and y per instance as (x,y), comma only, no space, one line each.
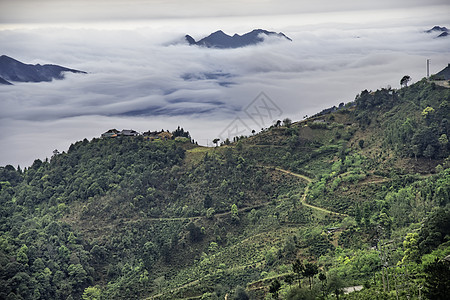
(309,180)
(223,214)
(248,208)
(302,200)
(305,193)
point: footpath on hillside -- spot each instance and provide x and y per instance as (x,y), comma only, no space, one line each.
(248,208)
(243,209)
(305,194)
(254,285)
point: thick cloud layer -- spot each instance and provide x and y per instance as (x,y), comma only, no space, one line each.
(147,78)
(24,11)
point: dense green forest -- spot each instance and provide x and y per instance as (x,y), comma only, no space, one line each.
(359,197)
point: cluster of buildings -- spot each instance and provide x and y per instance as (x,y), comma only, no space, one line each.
(149,135)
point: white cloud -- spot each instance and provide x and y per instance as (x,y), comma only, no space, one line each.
(141,70)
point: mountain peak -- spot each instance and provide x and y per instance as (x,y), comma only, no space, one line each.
(189,39)
(220,39)
(5,58)
(437,28)
(219,32)
(14,70)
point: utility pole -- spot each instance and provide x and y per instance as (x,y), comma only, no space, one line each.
(428,68)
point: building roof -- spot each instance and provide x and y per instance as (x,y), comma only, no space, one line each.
(129,132)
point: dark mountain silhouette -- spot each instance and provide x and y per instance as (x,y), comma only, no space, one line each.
(3,81)
(219,39)
(14,70)
(437,28)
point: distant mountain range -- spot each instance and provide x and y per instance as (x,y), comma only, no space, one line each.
(14,70)
(443,31)
(221,40)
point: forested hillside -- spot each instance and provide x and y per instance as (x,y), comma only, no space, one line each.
(354,198)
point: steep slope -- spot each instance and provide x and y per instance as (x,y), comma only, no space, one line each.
(14,70)
(219,39)
(3,81)
(339,194)
(444,74)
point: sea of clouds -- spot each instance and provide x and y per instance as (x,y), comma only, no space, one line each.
(148,78)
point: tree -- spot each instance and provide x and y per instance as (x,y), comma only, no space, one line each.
(91,293)
(271,256)
(55,153)
(207,203)
(443,142)
(404,81)
(297,293)
(358,215)
(437,281)
(415,150)
(423,137)
(240,294)
(434,230)
(361,143)
(323,280)
(429,152)
(427,112)
(410,244)
(297,268)
(195,232)
(180,132)
(274,288)
(239,146)
(216,141)
(22,256)
(210,213)
(77,274)
(310,270)
(335,285)
(287,122)
(213,247)
(234,213)
(159,282)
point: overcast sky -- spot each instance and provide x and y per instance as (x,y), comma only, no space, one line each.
(64,11)
(142,75)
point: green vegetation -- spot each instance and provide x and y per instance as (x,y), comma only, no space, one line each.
(303,210)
